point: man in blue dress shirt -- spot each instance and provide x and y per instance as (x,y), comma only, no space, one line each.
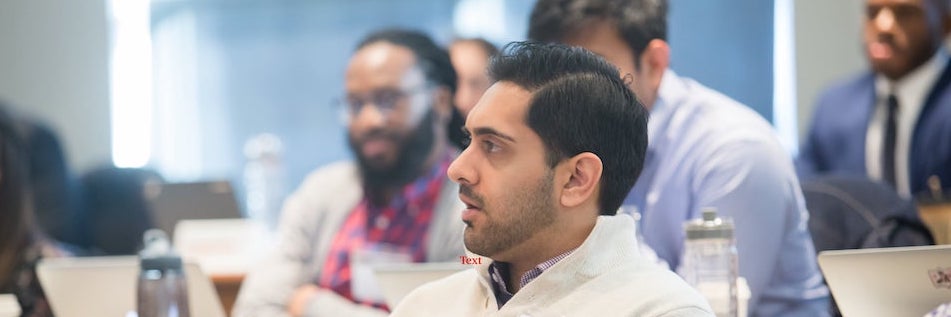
(705,150)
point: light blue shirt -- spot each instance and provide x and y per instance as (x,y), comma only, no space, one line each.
(707,150)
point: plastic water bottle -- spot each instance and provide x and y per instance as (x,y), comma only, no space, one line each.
(710,261)
(264,178)
(162,289)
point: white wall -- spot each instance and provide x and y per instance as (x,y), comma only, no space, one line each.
(828,49)
(54,64)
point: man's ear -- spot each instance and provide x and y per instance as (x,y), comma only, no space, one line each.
(655,59)
(584,176)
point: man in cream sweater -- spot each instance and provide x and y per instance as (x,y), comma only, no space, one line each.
(556,144)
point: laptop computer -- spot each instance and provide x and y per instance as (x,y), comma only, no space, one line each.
(399,279)
(106,286)
(905,281)
(172,202)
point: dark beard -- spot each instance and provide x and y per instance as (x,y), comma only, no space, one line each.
(413,151)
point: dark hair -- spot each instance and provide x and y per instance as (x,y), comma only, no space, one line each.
(432,59)
(580,104)
(487,47)
(637,21)
(16,214)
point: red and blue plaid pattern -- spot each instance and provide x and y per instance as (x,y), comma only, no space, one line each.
(403,224)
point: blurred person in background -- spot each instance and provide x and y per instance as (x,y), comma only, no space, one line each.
(21,242)
(705,150)
(394,204)
(470,57)
(893,122)
(56,190)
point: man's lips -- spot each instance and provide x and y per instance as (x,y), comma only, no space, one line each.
(470,203)
(376,146)
(471,209)
(880,50)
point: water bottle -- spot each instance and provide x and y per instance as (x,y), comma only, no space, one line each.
(161,289)
(710,261)
(264,179)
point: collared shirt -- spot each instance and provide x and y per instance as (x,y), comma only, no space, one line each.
(707,150)
(499,271)
(400,226)
(911,92)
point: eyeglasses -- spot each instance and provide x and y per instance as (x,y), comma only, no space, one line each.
(385,100)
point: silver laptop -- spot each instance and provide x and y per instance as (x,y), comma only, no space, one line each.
(106,286)
(171,202)
(906,281)
(398,280)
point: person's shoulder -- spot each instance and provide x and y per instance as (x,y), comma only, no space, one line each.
(847,88)
(336,186)
(649,290)
(713,111)
(668,292)
(451,289)
(345,172)
(451,282)
(710,122)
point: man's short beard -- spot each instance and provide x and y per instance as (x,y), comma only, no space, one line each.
(413,152)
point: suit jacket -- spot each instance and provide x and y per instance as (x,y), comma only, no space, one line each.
(836,141)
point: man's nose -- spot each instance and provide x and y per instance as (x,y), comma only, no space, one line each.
(460,171)
(884,20)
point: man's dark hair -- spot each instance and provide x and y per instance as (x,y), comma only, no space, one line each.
(432,59)
(580,104)
(487,47)
(637,21)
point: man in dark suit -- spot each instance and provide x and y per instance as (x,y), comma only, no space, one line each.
(893,123)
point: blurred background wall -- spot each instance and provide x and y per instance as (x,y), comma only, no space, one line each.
(221,71)
(54,63)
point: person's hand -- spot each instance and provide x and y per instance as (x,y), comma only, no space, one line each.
(302,295)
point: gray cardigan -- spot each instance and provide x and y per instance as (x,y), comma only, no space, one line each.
(310,219)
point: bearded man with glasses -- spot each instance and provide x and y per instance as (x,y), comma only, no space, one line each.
(394,204)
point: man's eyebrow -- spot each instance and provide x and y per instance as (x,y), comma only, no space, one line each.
(491,131)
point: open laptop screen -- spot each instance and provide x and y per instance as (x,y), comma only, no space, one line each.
(906,281)
(172,202)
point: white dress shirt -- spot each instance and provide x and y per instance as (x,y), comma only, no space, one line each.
(911,92)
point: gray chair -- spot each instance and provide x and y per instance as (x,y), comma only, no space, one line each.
(847,212)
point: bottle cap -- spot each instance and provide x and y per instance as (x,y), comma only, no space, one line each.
(173,262)
(157,253)
(263,145)
(709,226)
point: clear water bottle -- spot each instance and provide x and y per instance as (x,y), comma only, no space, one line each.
(710,261)
(161,289)
(264,178)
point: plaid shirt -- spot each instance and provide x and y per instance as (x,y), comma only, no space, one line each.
(499,271)
(402,224)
